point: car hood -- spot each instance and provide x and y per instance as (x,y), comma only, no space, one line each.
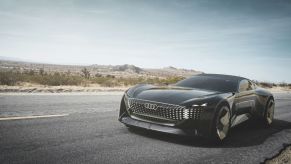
(171,95)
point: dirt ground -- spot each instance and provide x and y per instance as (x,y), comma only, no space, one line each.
(283,157)
(57,89)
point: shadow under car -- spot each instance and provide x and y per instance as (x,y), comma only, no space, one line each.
(249,133)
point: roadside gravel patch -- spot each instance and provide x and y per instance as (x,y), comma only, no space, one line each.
(283,157)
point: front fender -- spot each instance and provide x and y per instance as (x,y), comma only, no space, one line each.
(207,117)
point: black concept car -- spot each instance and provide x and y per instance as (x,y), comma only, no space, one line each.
(202,105)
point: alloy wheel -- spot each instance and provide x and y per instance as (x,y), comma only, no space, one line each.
(222,126)
(270,112)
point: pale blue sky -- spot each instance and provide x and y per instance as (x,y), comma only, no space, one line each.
(210,36)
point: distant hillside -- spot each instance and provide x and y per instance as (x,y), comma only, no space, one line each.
(18,76)
(117,70)
(170,71)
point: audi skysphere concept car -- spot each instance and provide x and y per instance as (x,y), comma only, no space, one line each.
(202,105)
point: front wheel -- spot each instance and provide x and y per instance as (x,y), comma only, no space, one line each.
(221,124)
(269,113)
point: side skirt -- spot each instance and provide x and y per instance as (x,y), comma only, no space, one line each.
(240,119)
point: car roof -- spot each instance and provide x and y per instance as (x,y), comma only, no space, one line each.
(225,77)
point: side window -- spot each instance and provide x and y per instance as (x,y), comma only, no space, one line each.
(244,85)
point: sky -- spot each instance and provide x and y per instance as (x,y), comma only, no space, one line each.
(250,38)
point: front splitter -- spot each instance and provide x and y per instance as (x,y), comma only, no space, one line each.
(156,127)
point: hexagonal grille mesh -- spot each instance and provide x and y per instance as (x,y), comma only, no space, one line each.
(162,111)
(195,113)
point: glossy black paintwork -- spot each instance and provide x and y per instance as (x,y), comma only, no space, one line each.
(257,99)
(250,102)
(172,95)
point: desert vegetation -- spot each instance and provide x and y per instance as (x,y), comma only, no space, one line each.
(273,85)
(17,73)
(12,78)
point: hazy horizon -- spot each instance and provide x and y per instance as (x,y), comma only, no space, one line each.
(249,38)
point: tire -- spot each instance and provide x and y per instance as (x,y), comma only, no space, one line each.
(269,113)
(221,124)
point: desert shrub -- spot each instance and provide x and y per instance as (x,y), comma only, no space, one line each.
(9,78)
(99,80)
(107,81)
(56,79)
(130,81)
(110,76)
(266,85)
(41,72)
(283,84)
(172,80)
(86,73)
(98,75)
(155,80)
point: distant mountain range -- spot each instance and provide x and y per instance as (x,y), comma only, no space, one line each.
(125,70)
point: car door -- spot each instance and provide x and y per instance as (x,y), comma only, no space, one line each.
(245,98)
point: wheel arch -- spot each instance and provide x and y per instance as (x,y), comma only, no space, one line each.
(221,103)
(271,97)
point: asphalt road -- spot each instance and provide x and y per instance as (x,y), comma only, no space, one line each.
(86,130)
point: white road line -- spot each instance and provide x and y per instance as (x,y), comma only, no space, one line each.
(31,117)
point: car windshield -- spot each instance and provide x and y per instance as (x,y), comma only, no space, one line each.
(209,83)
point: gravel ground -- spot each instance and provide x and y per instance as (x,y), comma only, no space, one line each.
(283,157)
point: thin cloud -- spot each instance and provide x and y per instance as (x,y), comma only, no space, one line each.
(209,36)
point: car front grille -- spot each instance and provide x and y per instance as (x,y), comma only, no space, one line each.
(156,111)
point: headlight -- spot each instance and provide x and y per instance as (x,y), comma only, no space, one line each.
(197,105)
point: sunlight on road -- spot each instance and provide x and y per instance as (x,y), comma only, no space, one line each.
(31,117)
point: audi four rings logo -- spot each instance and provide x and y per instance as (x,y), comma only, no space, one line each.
(150,106)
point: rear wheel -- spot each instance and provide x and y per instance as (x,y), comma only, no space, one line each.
(269,113)
(221,124)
